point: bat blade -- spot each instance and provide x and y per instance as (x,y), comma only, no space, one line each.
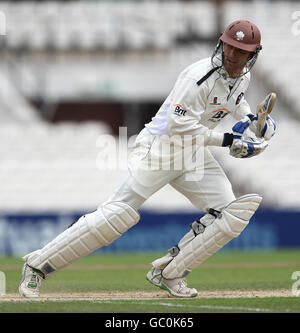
(263,109)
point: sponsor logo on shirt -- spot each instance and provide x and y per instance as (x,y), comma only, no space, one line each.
(219,114)
(179,110)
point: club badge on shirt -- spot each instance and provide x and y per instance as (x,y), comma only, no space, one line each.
(240,96)
(215,101)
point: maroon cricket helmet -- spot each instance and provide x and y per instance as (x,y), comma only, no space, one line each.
(243,35)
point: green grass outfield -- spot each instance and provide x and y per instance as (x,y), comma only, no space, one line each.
(230,281)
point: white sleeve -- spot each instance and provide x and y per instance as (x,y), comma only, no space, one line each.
(187,103)
(242,110)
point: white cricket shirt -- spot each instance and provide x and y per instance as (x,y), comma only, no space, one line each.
(191,109)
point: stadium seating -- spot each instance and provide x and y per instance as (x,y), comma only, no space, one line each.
(106,25)
(51,167)
(14,107)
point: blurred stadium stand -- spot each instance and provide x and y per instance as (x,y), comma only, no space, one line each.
(105,25)
(73,71)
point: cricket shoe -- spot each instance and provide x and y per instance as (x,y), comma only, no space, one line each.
(31,282)
(176,287)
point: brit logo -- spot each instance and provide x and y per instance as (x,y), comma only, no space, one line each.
(239,35)
(219,114)
(179,110)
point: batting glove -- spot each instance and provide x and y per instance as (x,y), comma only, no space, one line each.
(244,147)
(241,146)
(268,130)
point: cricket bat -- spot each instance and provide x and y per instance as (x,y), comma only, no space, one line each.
(264,109)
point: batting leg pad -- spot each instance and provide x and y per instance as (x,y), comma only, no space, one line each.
(89,233)
(228,225)
(197,227)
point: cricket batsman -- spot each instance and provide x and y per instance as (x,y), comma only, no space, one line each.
(203,95)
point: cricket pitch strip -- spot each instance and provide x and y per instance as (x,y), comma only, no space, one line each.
(148,295)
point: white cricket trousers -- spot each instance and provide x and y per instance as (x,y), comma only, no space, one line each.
(151,166)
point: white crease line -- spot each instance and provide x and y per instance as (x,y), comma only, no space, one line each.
(216,307)
(121,301)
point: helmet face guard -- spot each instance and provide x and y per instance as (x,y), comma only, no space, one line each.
(218,58)
(243,35)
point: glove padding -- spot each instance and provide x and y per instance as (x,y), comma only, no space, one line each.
(243,147)
(268,130)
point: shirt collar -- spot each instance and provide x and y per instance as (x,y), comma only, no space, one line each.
(224,74)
